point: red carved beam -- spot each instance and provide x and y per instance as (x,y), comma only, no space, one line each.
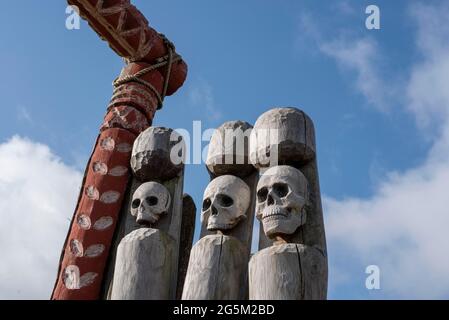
(126,30)
(87,245)
(144,82)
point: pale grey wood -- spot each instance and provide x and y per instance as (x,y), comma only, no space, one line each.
(217,270)
(287,272)
(152,156)
(296,147)
(218,153)
(220,216)
(244,229)
(149,213)
(281,136)
(228,151)
(186,240)
(313,232)
(170,223)
(220,150)
(125,225)
(144,265)
(282,201)
(174,229)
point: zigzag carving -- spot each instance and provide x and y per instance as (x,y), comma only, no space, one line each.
(128,33)
(124,27)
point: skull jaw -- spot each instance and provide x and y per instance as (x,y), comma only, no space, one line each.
(215,224)
(278,221)
(147,218)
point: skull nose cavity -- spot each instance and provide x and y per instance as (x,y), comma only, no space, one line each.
(270,200)
(214,211)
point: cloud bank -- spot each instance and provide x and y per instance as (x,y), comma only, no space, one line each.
(402,227)
(38,195)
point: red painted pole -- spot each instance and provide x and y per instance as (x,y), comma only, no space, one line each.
(127,31)
(131,111)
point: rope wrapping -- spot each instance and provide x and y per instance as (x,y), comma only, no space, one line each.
(168,60)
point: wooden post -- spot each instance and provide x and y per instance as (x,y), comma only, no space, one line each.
(144,266)
(218,261)
(187,233)
(217,269)
(228,154)
(154,70)
(145,260)
(292,261)
(287,271)
(152,149)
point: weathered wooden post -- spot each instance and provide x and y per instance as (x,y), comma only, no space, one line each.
(147,259)
(153,71)
(218,261)
(292,261)
(186,240)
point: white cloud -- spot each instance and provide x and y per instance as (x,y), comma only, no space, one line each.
(361,57)
(403,226)
(357,57)
(23,114)
(201,95)
(38,194)
(345,7)
(428,87)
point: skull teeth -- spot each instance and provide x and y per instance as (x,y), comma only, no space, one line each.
(276,212)
(149,218)
(221,226)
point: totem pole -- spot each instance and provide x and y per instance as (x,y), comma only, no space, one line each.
(153,71)
(146,259)
(219,260)
(291,263)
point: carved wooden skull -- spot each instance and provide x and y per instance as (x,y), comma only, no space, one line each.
(149,202)
(281,200)
(226,200)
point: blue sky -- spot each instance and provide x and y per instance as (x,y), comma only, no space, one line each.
(377,97)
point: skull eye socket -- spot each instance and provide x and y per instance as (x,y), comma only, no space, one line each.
(135,204)
(152,201)
(262,194)
(280,189)
(206,204)
(224,200)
